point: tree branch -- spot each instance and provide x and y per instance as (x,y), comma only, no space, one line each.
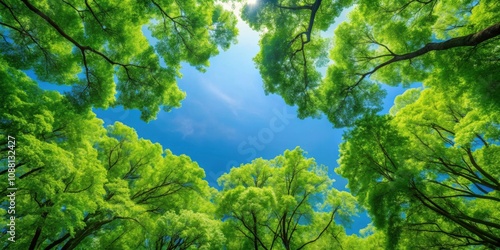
(470,40)
(83,48)
(322,231)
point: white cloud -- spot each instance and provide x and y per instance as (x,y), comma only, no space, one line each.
(221,95)
(229,102)
(184,126)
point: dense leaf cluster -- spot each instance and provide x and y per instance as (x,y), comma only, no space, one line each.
(104,49)
(452,46)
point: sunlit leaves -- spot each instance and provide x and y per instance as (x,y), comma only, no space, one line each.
(424,170)
(389,42)
(188,230)
(286,202)
(57,173)
(80,184)
(101,49)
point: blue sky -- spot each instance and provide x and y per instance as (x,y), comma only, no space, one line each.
(226,119)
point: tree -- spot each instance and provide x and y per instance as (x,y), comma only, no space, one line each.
(104,51)
(284,203)
(57,174)
(79,184)
(388,41)
(145,185)
(429,172)
(292,48)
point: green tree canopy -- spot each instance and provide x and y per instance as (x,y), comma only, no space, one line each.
(283,203)
(56,165)
(429,172)
(80,184)
(104,51)
(445,44)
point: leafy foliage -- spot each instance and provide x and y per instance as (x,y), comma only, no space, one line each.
(101,48)
(384,42)
(80,184)
(271,204)
(430,171)
(427,173)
